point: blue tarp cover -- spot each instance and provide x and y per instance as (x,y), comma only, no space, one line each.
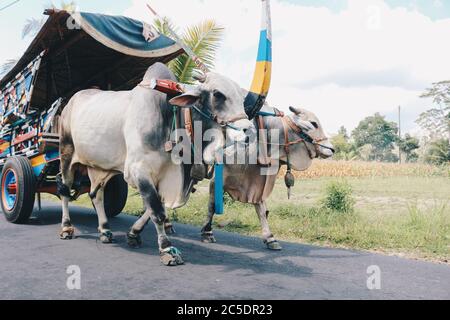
(125,35)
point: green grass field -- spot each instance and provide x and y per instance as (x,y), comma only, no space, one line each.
(405,215)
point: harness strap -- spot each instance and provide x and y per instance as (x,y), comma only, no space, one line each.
(286,135)
(276,113)
(173,88)
(292,125)
(188,123)
(212,117)
(263,158)
(289,124)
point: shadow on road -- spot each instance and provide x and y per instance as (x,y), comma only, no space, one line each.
(233,252)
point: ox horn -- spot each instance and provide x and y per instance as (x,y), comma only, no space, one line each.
(261,80)
(295,110)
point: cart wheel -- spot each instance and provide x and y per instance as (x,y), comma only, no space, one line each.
(115,198)
(18,189)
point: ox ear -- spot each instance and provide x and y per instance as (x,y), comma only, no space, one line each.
(186,100)
(304,125)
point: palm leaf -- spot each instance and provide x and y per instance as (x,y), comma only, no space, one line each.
(66,6)
(204,40)
(8,65)
(164,26)
(32,27)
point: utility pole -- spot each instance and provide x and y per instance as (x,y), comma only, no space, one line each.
(399,135)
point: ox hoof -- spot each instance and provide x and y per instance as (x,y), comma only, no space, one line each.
(67,233)
(169,228)
(208,237)
(134,240)
(273,245)
(106,237)
(171,257)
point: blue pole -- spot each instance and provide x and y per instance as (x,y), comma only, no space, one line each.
(218,188)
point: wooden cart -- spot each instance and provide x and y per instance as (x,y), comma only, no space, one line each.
(72,52)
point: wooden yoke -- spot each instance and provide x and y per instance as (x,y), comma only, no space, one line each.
(169,87)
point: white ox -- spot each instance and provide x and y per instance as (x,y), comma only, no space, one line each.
(111,132)
(247,183)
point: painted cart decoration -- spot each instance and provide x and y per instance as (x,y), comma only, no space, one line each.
(71,52)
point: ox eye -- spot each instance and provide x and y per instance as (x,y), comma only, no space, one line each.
(315,124)
(219,95)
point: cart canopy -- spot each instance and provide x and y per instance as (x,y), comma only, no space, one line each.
(83,50)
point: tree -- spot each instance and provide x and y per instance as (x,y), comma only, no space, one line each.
(31,28)
(343,132)
(204,39)
(378,133)
(408,146)
(436,121)
(342,145)
(438,152)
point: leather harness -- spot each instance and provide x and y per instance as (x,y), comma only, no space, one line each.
(173,88)
(288,124)
(304,138)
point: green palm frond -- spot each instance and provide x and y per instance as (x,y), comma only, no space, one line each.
(204,39)
(163,26)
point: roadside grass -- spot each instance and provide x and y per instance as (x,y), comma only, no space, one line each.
(406,215)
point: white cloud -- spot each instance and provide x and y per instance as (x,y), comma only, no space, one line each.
(319,56)
(438,4)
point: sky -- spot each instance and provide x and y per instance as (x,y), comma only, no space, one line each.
(342,59)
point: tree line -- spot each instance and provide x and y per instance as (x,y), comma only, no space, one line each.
(376,139)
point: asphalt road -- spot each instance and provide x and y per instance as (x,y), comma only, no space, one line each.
(34,262)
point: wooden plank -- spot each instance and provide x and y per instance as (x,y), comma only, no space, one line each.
(24,137)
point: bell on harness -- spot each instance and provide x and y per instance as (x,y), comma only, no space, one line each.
(289,180)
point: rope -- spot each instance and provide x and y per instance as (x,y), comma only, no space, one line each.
(303,135)
(212,118)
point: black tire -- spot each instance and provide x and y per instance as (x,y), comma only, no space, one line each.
(116,194)
(19,206)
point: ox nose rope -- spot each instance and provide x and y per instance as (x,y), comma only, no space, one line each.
(212,117)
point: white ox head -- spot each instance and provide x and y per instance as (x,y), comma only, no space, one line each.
(222,98)
(311,126)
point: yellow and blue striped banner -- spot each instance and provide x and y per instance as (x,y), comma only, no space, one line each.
(263,71)
(257,95)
